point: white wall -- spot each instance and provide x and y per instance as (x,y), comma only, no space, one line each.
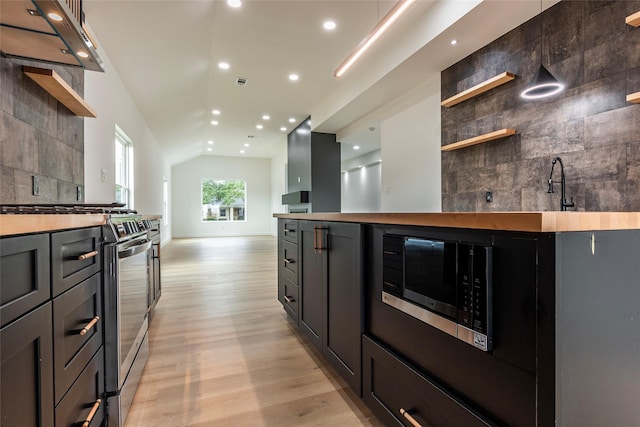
(278,184)
(410,146)
(107,95)
(186,205)
(361,183)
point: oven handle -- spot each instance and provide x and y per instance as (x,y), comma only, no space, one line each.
(134,250)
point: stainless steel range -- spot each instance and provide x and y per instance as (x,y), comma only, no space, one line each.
(127,260)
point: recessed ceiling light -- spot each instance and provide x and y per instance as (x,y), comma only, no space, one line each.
(283,128)
(294,77)
(356,147)
(241,151)
(266,117)
(223,65)
(215,112)
(246,144)
(292,120)
(234,3)
(329,25)
(54,16)
(214,122)
(82,54)
(259,126)
(209,149)
(210,142)
(454,42)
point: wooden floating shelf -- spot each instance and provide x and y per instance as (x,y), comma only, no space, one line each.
(633,19)
(493,82)
(60,90)
(478,139)
(634,97)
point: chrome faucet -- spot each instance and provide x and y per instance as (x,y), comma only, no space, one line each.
(563,200)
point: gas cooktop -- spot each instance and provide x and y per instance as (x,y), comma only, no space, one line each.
(62,208)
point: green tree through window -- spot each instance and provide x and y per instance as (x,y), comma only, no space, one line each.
(223,200)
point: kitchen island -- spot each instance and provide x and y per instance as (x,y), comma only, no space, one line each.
(560,322)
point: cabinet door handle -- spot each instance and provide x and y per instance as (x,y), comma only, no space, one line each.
(289,300)
(87,255)
(390,284)
(409,418)
(92,414)
(90,325)
(315,238)
(288,261)
(390,253)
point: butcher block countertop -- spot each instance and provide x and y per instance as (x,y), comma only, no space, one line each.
(542,222)
(39,223)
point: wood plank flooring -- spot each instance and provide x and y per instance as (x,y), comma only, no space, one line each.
(223,352)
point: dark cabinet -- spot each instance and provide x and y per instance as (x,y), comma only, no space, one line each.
(330,293)
(288,274)
(399,395)
(75,256)
(24,275)
(313,162)
(26,351)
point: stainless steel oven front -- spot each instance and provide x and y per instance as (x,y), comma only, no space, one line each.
(126,344)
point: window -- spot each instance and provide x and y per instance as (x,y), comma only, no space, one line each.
(223,200)
(165,202)
(124,169)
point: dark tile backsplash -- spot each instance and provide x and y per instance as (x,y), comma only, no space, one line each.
(39,136)
(588,46)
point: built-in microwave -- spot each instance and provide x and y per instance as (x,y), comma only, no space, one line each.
(447,284)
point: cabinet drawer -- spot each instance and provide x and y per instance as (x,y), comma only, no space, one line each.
(81,400)
(289,297)
(24,275)
(392,248)
(74,346)
(26,357)
(391,387)
(290,230)
(289,260)
(74,257)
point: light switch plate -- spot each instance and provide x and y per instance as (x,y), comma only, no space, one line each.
(35,185)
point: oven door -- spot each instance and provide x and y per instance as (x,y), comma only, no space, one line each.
(132,285)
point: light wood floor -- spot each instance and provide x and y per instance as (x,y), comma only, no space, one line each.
(223,352)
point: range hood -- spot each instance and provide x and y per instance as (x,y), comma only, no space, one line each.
(47,30)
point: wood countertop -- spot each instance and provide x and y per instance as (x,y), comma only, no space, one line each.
(542,222)
(39,223)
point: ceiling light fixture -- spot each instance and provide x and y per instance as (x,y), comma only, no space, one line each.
(210,142)
(292,120)
(215,112)
(283,129)
(223,65)
(454,42)
(241,151)
(246,144)
(543,84)
(356,147)
(259,126)
(389,19)
(294,77)
(209,149)
(329,25)
(266,117)
(234,3)
(82,54)
(214,122)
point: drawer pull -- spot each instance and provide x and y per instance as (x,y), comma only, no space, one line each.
(390,284)
(90,325)
(286,230)
(87,255)
(92,413)
(288,261)
(289,300)
(409,418)
(390,253)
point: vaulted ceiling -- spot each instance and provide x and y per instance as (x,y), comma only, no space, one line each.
(167,52)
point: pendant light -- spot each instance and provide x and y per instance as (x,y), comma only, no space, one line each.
(543,84)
